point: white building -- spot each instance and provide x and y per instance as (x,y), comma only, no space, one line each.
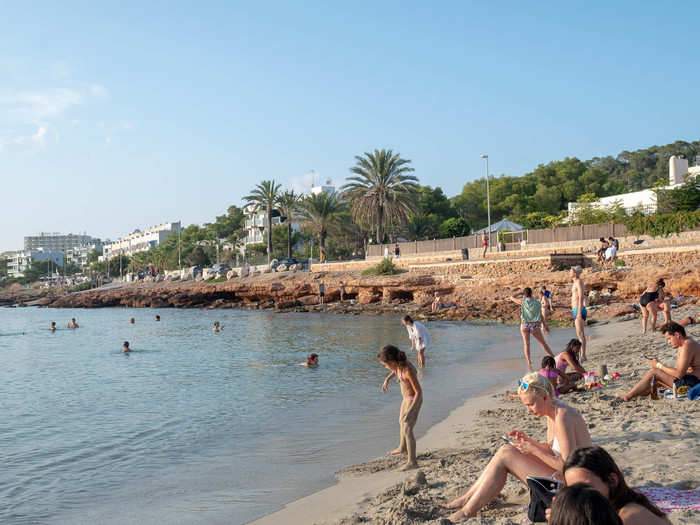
(20,261)
(327,188)
(645,200)
(79,254)
(140,241)
(58,242)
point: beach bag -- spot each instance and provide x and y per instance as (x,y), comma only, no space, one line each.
(542,492)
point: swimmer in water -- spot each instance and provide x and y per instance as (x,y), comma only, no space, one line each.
(311,361)
(217,326)
(132,320)
(53,326)
(73,323)
(125,347)
(157,317)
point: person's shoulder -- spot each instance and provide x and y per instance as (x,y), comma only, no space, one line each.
(636,514)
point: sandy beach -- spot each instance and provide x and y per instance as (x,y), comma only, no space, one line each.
(655,443)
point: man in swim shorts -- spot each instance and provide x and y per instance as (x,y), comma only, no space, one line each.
(578,294)
(685,373)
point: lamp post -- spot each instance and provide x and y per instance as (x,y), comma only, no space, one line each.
(179,249)
(488,197)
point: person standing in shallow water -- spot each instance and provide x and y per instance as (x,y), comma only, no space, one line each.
(53,326)
(395,361)
(419,336)
(530,321)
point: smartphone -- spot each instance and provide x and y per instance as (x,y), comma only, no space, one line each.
(507,440)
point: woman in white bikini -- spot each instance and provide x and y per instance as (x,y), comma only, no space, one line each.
(523,457)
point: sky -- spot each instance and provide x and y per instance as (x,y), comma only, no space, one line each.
(123,115)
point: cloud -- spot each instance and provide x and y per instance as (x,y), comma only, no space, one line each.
(108,140)
(32,106)
(37,139)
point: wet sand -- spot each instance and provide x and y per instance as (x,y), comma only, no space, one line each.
(656,443)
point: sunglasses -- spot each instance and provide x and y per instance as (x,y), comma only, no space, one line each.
(523,384)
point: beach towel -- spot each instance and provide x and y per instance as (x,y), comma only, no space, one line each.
(672,500)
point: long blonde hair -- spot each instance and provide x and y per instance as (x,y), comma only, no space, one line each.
(536,381)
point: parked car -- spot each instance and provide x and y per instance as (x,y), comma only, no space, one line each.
(221,267)
(286,262)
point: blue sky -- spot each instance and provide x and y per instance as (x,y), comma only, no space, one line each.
(124,115)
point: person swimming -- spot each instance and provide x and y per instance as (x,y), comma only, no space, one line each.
(132,320)
(217,326)
(311,361)
(125,347)
(73,323)
(53,326)
(157,317)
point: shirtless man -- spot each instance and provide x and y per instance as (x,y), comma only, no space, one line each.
(578,310)
(73,323)
(685,373)
(217,326)
(53,326)
(125,347)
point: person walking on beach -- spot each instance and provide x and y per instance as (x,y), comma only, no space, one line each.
(419,336)
(321,292)
(73,323)
(685,373)
(397,251)
(395,361)
(578,308)
(523,456)
(546,302)
(484,244)
(648,304)
(530,321)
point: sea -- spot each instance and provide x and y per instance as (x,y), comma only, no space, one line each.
(194,426)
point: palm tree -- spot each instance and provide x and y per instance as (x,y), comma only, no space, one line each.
(322,211)
(382,189)
(265,195)
(289,204)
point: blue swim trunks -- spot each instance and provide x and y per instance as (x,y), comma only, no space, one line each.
(584,313)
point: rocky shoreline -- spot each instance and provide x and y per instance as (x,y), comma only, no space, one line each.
(613,292)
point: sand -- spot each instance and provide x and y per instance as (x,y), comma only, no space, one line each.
(656,443)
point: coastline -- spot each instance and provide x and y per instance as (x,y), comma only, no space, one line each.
(454,451)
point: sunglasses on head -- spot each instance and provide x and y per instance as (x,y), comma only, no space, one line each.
(523,384)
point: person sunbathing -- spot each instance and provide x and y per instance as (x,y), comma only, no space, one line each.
(566,432)
(594,467)
(685,373)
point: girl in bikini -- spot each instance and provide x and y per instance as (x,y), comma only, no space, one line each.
(395,361)
(648,303)
(530,321)
(569,357)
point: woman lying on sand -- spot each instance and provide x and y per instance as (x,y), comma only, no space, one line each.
(566,432)
(594,467)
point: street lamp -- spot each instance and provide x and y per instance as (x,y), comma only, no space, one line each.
(488,197)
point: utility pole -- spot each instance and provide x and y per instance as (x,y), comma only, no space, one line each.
(488,197)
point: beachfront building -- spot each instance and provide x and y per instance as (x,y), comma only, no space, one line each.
(140,241)
(323,188)
(20,261)
(59,242)
(256,223)
(79,254)
(645,201)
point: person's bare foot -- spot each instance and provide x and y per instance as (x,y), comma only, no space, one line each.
(396,452)
(457,516)
(407,466)
(456,503)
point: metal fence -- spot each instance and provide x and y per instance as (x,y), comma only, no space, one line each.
(510,239)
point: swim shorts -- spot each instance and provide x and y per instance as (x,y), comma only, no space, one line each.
(584,313)
(529,327)
(688,380)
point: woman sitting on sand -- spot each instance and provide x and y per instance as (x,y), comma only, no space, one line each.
(530,321)
(566,432)
(594,467)
(569,357)
(648,303)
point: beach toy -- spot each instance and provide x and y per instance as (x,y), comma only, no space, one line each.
(616,375)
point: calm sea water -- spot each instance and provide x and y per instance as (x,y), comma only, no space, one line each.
(198,427)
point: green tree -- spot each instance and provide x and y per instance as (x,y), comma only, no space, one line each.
(289,204)
(322,213)
(3,267)
(265,195)
(454,227)
(382,190)
(683,198)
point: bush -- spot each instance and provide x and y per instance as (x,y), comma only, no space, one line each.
(662,225)
(81,287)
(619,262)
(385,267)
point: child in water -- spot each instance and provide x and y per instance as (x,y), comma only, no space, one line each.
(311,361)
(125,347)
(395,361)
(53,326)
(217,326)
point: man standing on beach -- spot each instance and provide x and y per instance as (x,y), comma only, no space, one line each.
(578,310)
(685,373)
(419,336)
(321,292)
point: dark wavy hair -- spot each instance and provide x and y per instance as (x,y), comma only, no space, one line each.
(600,463)
(570,349)
(580,504)
(391,354)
